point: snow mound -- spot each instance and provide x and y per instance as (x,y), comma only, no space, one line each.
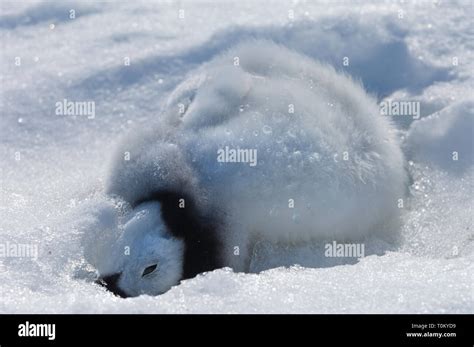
(444,139)
(396,283)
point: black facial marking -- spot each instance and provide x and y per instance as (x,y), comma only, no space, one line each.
(111,283)
(202,246)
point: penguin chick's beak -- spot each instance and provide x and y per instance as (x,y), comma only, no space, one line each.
(110,282)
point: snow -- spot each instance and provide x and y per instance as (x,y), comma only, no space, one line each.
(54,168)
(444,136)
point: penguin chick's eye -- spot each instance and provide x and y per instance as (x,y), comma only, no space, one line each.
(149,270)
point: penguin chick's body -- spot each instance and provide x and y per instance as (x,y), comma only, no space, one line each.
(258,143)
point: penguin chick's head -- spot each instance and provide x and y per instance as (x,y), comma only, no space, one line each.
(152,259)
